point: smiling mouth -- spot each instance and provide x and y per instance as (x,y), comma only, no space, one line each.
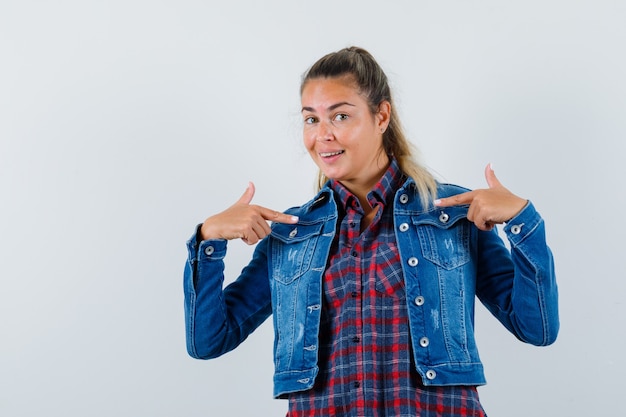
(329,154)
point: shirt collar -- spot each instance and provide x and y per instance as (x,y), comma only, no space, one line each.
(382,193)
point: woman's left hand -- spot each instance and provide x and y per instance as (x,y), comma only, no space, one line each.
(489,206)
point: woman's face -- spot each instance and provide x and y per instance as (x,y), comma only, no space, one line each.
(342,135)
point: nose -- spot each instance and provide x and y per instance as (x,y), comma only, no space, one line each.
(324,132)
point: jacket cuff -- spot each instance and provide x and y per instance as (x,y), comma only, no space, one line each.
(523,224)
(201,250)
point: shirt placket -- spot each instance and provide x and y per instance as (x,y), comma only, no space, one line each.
(353,333)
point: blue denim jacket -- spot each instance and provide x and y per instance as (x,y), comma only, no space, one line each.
(446,261)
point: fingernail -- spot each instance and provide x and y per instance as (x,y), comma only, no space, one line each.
(437,202)
(295,218)
(491,166)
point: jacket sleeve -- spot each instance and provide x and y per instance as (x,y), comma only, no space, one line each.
(218,319)
(518,286)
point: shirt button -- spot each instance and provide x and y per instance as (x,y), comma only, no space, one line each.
(354,294)
(209,250)
(413,261)
(443,217)
(293,233)
(419,300)
(404,227)
(354,254)
(516,229)
(352,224)
(356,384)
(430,374)
(404,198)
(424,342)
(356,339)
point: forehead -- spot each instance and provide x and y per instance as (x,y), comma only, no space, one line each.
(321,92)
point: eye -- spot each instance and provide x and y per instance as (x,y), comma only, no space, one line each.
(309,120)
(341,117)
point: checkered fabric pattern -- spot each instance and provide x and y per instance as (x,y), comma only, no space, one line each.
(365,361)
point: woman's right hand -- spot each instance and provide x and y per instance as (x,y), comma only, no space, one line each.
(243,220)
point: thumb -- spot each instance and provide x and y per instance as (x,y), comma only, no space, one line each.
(491,178)
(246,198)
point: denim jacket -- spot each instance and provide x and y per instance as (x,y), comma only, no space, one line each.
(446,262)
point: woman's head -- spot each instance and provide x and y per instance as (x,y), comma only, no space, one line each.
(358,68)
(343,135)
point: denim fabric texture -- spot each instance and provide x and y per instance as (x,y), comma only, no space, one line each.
(447,262)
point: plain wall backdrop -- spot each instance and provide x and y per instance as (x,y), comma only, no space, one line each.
(123,124)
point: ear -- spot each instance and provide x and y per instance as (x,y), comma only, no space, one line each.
(384,115)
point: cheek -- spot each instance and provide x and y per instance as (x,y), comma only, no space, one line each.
(308,139)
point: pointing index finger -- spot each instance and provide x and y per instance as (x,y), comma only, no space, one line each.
(278,217)
(455,200)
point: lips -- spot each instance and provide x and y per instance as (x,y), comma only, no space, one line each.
(330,154)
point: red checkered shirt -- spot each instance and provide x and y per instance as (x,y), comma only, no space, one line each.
(366,366)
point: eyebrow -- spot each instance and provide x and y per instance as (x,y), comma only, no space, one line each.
(331,108)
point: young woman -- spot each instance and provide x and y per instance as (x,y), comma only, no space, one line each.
(371,284)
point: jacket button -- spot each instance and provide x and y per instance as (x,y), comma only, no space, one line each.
(443,217)
(404,198)
(516,229)
(413,261)
(430,374)
(419,300)
(293,233)
(209,250)
(404,227)
(424,342)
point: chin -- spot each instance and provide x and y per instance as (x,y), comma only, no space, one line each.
(332,176)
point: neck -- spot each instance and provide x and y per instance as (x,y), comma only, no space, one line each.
(361,188)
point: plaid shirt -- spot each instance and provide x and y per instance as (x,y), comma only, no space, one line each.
(366,368)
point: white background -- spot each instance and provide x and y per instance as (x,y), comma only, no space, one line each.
(123,124)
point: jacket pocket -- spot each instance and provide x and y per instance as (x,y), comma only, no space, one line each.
(293,247)
(445,245)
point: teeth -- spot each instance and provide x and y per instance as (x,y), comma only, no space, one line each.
(327,154)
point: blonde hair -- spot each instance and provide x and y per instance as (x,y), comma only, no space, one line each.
(372,83)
